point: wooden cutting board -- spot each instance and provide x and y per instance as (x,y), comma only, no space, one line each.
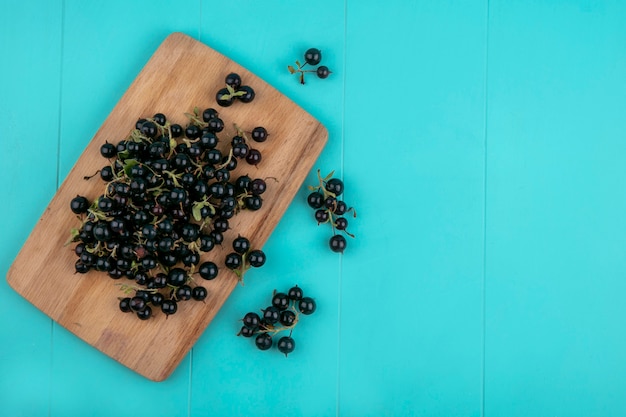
(182,74)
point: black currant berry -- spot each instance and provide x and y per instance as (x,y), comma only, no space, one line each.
(315,200)
(108,150)
(169,307)
(335,186)
(259,134)
(307,305)
(233,80)
(337,243)
(241,245)
(251,320)
(322,71)
(295,293)
(287,318)
(322,216)
(160,119)
(247,331)
(253,157)
(271,315)
(233,260)
(199,293)
(280,301)
(145,314)
(125,305)
(224,98)
(313,56)
(137,303)
(286,345)
(256,258)
(248,95)
(263,341)
(177,277)
(341,223)
(79,204)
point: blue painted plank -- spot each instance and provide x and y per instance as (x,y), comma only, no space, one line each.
(411,283)
(555,338)
(105,47)
(230,376)
(30,41)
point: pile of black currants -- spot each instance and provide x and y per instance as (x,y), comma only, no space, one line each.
(169,195)
(281,316)
(329,208)
(312,57)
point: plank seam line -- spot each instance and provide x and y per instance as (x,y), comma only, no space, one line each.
(485,160)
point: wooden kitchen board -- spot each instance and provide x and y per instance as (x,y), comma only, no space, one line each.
(182,74)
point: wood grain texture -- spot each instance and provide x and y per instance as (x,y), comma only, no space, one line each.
(182,73)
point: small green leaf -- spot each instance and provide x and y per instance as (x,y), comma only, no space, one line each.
(291,69)
(195,211)
(298,63)
(128,165)
(330,175)
(230,89)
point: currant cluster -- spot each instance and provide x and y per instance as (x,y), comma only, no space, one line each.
(169,195)
(313,57)
(281,316)
(244,257)
(329,208)
(234,91)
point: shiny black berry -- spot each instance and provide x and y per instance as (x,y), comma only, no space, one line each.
(263,341)
(295,293)
(313,56)
(307,305)
(224,98)
(337,243)
(280,300)
(233,80)
(248,94)
(256,258)
(79,204)
(199,293)
(322,71)
(259,134)
(286,345)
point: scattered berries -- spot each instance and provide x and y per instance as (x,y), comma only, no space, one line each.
(324,198)
(281,316)
(312,57)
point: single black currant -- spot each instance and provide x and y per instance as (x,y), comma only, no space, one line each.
(251,320)
(307,305)
(241,245)
(233,260)
(199,293)
(337,243)
(322,71)
(256,258)
(295,293)
(280,300)
(263,341)
(313,56)
(286,345)
(79,204)
(259,134)
(233,80)
(287,318)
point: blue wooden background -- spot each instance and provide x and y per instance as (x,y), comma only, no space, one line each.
(483,143)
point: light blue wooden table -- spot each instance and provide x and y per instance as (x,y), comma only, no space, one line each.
(484,146)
